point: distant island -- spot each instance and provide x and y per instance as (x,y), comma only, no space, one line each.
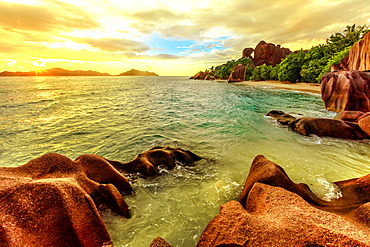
(135,72)
(55,72)
(63,72)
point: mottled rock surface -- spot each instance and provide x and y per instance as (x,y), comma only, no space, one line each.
(345,125)
(159,242)
(359,56)
(274,211)
(238,74)
(364,124)
(269,54)
(276,217)
(346,90)
(200,75)
(349,116)
(329,128)
(247,52)
(53,200)
(148,162)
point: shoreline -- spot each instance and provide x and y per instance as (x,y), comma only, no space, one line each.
(299,86)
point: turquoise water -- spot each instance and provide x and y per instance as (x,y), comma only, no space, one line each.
(119,117)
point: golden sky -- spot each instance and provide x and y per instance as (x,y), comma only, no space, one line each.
(169,37)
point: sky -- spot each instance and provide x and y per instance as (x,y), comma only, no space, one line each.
(168,37)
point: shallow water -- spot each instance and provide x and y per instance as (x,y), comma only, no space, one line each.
(119,117)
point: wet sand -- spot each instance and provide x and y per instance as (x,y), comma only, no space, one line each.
(300,86)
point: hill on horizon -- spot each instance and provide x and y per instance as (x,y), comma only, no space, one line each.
(64,72)
(134,72)
(54,72)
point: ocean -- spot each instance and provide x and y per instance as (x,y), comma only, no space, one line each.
(120,117)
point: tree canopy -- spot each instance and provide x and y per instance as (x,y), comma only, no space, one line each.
(305,66)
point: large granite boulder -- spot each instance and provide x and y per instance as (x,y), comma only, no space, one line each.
(53,200)
(346,90)
(269,54)
(247,52)
(274,211)
(349,116)
(238,74)
(364,123)
(276,217)
(200,76)
(359,56)
(264,171)
(357,117)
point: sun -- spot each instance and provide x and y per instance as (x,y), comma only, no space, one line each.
(41,72)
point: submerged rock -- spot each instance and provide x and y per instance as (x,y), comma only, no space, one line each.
(346,125)
(328,127)
(159,242)
(274,211)
(147,163)
(281,117)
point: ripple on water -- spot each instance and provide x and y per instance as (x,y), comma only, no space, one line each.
(119,117)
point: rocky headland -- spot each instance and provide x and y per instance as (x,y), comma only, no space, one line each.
(264,53)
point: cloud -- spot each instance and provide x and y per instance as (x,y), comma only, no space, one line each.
(184,31)
(133,55)
(44,18)
(116,44)
(251,21)
(155,15)
(163,56)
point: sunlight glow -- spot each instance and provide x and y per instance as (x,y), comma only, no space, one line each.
(26,2)
(41,72)
(67,44)
(113,35)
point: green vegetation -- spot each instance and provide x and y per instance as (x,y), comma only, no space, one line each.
(305,66)
(223,71)
(318,60)
(264,72)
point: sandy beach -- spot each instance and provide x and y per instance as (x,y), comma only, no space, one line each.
(300,86)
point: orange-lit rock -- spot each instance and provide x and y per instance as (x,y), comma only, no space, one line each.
(147,163)
(238,74)
(269,54)
(275,211)
(359,56)
(53,201)
(346,91)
